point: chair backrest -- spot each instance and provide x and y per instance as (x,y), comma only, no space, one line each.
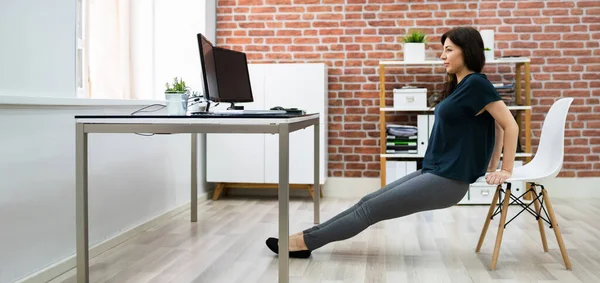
(548,159)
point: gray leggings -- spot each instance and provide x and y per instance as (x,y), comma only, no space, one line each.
(412,193)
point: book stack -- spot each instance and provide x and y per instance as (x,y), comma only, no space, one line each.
(507,93)
(401,139)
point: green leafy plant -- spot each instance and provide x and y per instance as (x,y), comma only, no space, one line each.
(415,36)
(177,86)
(487,49)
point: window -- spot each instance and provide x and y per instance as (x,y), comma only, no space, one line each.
(107,32)
(129,49)
(80,79)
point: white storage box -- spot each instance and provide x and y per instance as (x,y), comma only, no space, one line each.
(481,193)
(410,98)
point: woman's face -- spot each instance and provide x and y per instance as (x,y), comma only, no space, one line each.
(452,57)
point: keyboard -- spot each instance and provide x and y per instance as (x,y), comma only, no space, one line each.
(249,111)
(244,114)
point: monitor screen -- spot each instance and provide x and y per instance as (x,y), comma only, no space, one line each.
(207,61)
(225,73)
(232,76)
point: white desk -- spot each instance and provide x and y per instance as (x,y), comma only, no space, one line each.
(193,125)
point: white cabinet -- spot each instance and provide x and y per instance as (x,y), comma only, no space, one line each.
(254,158)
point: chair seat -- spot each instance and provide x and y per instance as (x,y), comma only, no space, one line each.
(526,173)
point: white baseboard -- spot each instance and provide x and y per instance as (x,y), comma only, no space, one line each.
(558,188)
(335,187)
(573,187)
(69,263)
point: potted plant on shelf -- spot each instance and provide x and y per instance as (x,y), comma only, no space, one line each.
(489,54)
(176,95)
(414,46)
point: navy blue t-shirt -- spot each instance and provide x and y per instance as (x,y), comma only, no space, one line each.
(461,144)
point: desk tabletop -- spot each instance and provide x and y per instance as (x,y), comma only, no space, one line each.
(194,119)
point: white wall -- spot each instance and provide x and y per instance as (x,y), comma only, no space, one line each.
(132,179)
(37,53)
(38,46)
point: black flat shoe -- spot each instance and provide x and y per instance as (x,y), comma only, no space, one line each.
(273,244)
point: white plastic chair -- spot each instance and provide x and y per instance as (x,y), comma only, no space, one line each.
(545,165)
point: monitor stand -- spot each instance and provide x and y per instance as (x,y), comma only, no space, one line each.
(235,107)
(236,110)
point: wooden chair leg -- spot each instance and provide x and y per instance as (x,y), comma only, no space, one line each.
(536,203)
(488,219)
(556,229)
(218,191)
(503,214)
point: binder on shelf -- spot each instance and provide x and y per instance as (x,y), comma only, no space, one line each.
(402,146)
(422,134)
(401,142)
(400,131)
(424,127)
(403,151)
(430,124)
(507,92)
(401,139)
(392,137)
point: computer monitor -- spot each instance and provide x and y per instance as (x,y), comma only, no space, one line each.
(225,73)
(207,62)
(232,76)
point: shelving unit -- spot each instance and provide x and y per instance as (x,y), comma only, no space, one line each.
(521,64)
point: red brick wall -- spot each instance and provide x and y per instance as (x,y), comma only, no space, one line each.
(351,36)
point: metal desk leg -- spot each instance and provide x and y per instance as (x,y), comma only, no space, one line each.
(284,199)
(194,189)
(317,173)
(81,210)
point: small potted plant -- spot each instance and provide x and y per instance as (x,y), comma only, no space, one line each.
(489,54)
(176,95)
(414,46)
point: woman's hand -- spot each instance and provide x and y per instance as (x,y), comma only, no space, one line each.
(497,177)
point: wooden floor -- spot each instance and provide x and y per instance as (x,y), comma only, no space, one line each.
(227,245)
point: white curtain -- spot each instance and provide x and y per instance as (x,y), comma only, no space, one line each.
(133,47)
(108,46)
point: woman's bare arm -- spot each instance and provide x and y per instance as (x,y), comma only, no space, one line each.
(497,149)
(510,130)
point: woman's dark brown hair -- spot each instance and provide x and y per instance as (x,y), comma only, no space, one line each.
(470,42)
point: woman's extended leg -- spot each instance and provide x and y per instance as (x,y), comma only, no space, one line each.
(363,200)
(419,193)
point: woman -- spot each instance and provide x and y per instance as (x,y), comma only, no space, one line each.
(471,125)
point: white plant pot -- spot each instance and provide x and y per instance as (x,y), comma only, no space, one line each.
(489,55)
(414,52)
(176,102)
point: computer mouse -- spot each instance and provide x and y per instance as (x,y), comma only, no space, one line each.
(277,108)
